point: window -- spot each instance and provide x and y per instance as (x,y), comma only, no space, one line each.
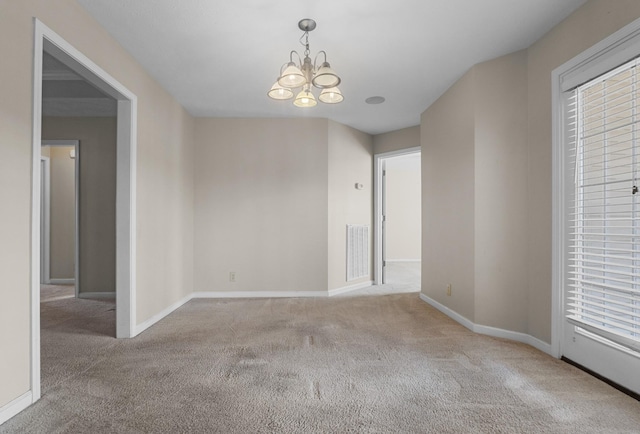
(604,223)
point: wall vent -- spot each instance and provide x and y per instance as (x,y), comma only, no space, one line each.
(357,252)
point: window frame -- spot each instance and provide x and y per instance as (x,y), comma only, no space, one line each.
(610,53)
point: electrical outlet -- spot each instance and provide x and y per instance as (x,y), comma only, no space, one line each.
(232,276)
(449,289)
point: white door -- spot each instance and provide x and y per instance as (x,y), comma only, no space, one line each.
(601,328)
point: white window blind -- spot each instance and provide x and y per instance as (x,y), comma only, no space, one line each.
(604,247)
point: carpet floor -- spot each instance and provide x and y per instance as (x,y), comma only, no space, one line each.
(373,364)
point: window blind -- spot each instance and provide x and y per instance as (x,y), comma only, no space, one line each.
(604,230)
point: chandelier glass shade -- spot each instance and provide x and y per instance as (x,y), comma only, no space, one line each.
(305,75)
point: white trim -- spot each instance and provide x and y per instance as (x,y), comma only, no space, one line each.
(377,206)
(160,315)
(45,223)
(404,260)
(558,215)
(126,215)
(487,330)
(73,143)
(38,44)
(97,295)
(258,294)
(345,289)
(69,281)
(609,53)
(47,39)
(448,312)
(14,407)
(602,57)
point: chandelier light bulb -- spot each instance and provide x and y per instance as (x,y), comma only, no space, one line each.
(305,99)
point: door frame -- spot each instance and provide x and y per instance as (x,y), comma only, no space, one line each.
(47,40)
(378,164)
(47,235)
(604,56)
(45,219)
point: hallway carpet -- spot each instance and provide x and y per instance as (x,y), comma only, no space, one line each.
(371,364)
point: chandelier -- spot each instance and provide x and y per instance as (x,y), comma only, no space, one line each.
(305,74)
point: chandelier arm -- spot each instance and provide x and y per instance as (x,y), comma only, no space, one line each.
(291,57)
(315,61)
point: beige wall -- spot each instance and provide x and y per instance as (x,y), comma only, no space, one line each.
(403,209)
(62,229)
(273,198)
(97,195)
(448,177)
(396,140)
(500,192)
(261,204)
(512,181)
(350,160)
(164,176)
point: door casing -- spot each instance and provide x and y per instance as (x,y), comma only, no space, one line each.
(378,207)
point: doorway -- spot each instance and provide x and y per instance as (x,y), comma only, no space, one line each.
(46,40)
(59,214)
(397,203)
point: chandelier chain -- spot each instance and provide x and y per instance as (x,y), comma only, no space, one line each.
(305,44)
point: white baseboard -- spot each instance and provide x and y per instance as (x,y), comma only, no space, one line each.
(97,295)
(258,294)
(448,312)
(62,282)
(403,260)
(349,288)
(490,331)
(14,407)
(139,328)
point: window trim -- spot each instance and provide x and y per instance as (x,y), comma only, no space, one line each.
(606,55)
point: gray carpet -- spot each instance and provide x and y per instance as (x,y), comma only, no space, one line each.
(370,364)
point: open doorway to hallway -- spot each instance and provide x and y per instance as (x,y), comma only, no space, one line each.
(70,96)
(77,221)
(397,258)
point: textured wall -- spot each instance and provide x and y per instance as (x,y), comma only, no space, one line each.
(62,228)
(261,204)
(501,223)
(350,161)
(403,208)
(448,177)
(396,140)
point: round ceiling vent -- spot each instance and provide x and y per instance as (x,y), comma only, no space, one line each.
(375,100)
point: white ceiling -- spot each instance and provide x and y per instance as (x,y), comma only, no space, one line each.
(219,58)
